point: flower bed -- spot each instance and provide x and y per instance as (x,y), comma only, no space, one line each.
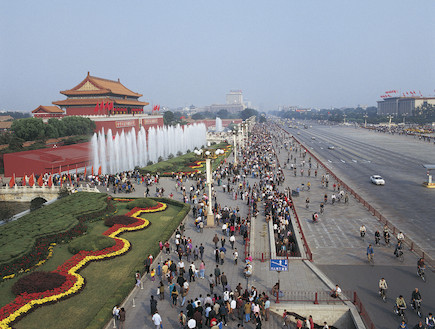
(75,282)
(43,247)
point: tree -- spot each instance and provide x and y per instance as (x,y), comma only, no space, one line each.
(198,116)
(168,118)
(247,113)
(223,114)
(16,143)
(28,129)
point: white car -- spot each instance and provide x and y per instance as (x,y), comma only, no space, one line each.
(378,180)
(331,147)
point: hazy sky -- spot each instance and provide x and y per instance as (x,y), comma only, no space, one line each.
(177,53)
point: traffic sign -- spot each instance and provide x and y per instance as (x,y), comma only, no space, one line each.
(279,265)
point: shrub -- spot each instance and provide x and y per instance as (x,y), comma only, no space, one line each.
(179,153)
(160,159)
(150,163)
(37,203)
(38,282)
(141,203)
(123,220)
(170,156)
(91,243)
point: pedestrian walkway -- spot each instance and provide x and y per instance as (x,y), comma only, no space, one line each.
(300,277)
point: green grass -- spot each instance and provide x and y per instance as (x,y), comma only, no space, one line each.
(179,164)
(107,282)
(141,203)
(90,242)
(18,237)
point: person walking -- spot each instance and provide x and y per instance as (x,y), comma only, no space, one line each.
(122,318)
(157,320)
(224,280)
(202,270)
(217,275)
(153,305)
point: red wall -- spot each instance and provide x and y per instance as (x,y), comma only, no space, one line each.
(126,125)
(46,160)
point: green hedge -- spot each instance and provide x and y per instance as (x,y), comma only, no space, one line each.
(141,203)
(90,243)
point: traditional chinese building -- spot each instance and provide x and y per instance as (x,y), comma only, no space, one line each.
(109,104)
(47,112)
(98,96)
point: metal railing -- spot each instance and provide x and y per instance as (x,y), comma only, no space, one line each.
(362,311)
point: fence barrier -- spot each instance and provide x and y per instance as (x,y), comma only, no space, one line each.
(362,311)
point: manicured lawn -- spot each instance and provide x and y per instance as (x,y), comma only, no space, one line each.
(107,282)
(179,164)
(18,237)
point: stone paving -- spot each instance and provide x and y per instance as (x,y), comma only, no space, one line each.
(335,238)
(300,277)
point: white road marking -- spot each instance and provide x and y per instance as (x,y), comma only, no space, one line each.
(354,160)
(329,161)
(342,161)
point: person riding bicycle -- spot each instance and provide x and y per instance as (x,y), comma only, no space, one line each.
(307,202)
(385,229)
(383,286)
(362,230)
(399,249)
(430,321)
(370,252)
(377,236)
(415,296)
(315,217)
(420,264)
(400,304)
(400,236)
(387,237)
(402,325)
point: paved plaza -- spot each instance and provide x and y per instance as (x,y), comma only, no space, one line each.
(334,240)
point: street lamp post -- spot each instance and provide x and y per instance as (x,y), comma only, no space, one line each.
(365,120)
(389,123)
(404,116)
(235,132)
(209,155)
(344,117)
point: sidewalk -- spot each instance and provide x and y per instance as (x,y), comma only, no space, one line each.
(300,277)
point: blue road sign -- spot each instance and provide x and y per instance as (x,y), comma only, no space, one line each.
(279,265)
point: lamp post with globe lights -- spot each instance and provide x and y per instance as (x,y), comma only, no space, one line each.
(208,155)
(235,133)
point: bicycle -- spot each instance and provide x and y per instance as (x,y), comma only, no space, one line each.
(371,258)
(400,311)
(420,273)
(383,294)
(387,241)
(416,305)
(400,256)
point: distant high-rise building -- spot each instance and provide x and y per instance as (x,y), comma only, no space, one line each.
(235,97)
(402,105)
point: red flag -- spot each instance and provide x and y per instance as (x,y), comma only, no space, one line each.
(106,107)
(69,178)
(40,181)
(85,172)
(92,170)
(31,180)
(12,181)
(99,171)
(23,182)
(96,108)
(50,181)
(102,105)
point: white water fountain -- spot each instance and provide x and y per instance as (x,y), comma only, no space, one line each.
(127,150)
(219,127)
